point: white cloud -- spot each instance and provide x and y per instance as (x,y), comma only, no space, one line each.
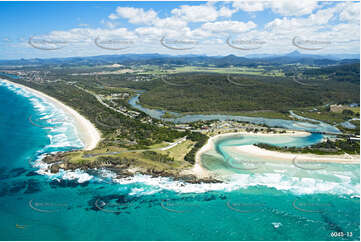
(113,16)
(321,17)
(282,7)
(87,35)
(313,22)
(180,16)
(351,12)
(293,8)
(135,15)
(249,6)
(151,32)
(200,33)
(322,26)
(229,26)
(170,22)
(337,23)
(226,12)
(201,13)
(110,25)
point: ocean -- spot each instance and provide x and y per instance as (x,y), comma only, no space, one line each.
(266,201)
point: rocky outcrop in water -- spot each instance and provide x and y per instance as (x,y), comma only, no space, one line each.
(124,169)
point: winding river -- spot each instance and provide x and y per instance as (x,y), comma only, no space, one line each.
(287,124)
(269,202)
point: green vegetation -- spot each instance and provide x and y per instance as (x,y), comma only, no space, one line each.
(335,116)
(262,90)
(339,146)
(179,151)
(200,140)
(120,134)
(168,115)
(341,73)
(229,85)
(147,160)
(154,156)
(254,70)
(116,128)
(324,114)
(204,92)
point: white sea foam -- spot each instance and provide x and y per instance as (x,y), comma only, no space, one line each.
(104,173)
(148,185)
(280,171)
(78,175)
(243,181)
(62,133)
(276,225)
(142,191)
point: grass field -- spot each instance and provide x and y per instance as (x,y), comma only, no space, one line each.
(179,151)
(139,158)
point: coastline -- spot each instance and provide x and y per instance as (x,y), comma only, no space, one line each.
(90,136)
(199,170)
(86,131)
(287,156)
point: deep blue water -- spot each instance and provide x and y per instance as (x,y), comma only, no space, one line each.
(40,207)
(19,139)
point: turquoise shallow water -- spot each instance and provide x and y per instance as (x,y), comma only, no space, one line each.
(253,205)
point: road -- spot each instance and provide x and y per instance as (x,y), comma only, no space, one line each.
(103,103)
(171,145)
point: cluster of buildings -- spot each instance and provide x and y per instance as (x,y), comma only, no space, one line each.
(216,126)
(116,107)
(338,108)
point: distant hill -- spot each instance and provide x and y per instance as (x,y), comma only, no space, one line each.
(200,60)
(298,55)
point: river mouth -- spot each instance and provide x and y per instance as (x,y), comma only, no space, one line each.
(42,208)
(225,161)
(226,156)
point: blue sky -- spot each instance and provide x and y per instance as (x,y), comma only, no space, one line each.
(64,29)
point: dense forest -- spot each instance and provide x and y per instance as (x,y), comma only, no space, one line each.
(341,73)
(205,92)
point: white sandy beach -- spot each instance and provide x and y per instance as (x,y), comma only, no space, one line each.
(286,156)
(87,132)
(200,171)
(253,150)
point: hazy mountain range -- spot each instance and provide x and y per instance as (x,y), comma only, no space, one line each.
(219,61)
(298,54)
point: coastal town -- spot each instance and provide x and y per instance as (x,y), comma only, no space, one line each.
(178,154)
(180,121)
